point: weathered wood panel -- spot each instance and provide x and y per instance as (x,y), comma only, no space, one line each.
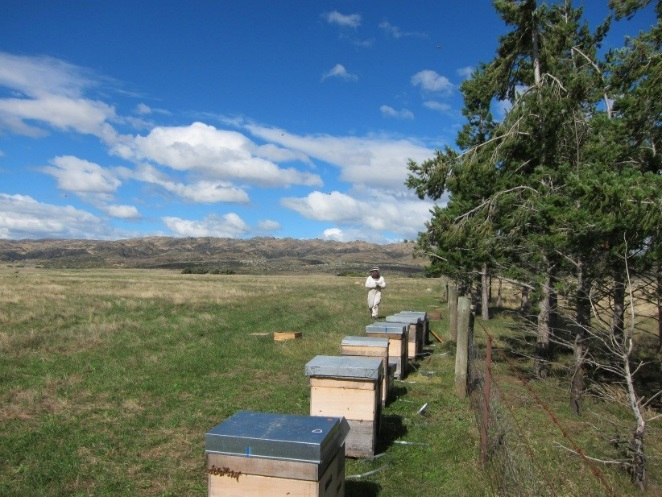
(331,483)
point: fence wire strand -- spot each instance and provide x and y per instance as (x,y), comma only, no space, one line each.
(508,458)
(509,473)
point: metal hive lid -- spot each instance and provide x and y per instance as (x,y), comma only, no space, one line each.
(365,341)
(404,317)
(422,314)
(354,367)
(278,436)
(395,328)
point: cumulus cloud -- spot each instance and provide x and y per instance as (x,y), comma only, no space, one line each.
(429,80)
(81,176)
(212,153)
(21,216)
(375,212)
(199,191)
(269,225)
(50,95)
(208,192)
(227,226)
(343,20)
(339,71)
(335,234)
(353,234)
(377,161)
(121,211)
(388,111)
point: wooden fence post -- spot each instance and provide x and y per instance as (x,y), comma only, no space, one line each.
(462,350)
(452,310)
(487,392)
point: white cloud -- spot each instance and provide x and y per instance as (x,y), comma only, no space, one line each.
(200,191)
(213,154)
(275,153)
(122,211)
(437,106)
(388,111)
(374,160)
(465,72)
(334,206)
(345,21)
(339,71)
(269,225)
(227,226)
(143,109)
(370,212)
(36,76)
(51,96)
(23,217)
(429,80)
(81,176)
(397,33)
(335,234)
(353,234)
(208,192)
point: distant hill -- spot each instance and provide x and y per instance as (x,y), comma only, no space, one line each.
(219,255)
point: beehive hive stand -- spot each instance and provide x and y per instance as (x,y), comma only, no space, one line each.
(254,454)
(349,387)
(397,334)
(369,347)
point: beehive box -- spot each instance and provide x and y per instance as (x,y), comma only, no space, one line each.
(415,337)
(397,334)
(349,387)
(424,320)
(369,347)
(254,454)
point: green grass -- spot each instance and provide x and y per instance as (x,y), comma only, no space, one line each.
(109,380)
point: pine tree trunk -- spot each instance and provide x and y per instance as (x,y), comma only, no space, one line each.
(485,293)
(499,299)
(536,56)
(618,294)
(638,471)
(639,474)
(541,364)
(525,304)
(659,307)
(583,321)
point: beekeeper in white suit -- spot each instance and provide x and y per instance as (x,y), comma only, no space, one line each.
(375,282)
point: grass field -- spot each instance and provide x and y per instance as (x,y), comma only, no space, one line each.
(109,380)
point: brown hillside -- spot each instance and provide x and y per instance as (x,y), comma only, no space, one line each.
(254,255)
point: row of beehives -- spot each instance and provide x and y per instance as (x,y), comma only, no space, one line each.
(258,454)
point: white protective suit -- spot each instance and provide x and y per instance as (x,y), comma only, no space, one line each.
(375,294)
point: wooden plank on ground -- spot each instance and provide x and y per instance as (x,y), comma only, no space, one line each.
(280,336)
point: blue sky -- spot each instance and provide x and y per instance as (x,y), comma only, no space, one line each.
(242,118)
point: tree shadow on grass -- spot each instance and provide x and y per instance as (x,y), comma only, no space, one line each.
(361,489)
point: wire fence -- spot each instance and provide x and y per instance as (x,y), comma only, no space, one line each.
(509,461)
(501,448)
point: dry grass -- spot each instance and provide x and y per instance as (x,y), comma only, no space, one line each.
(110,378)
